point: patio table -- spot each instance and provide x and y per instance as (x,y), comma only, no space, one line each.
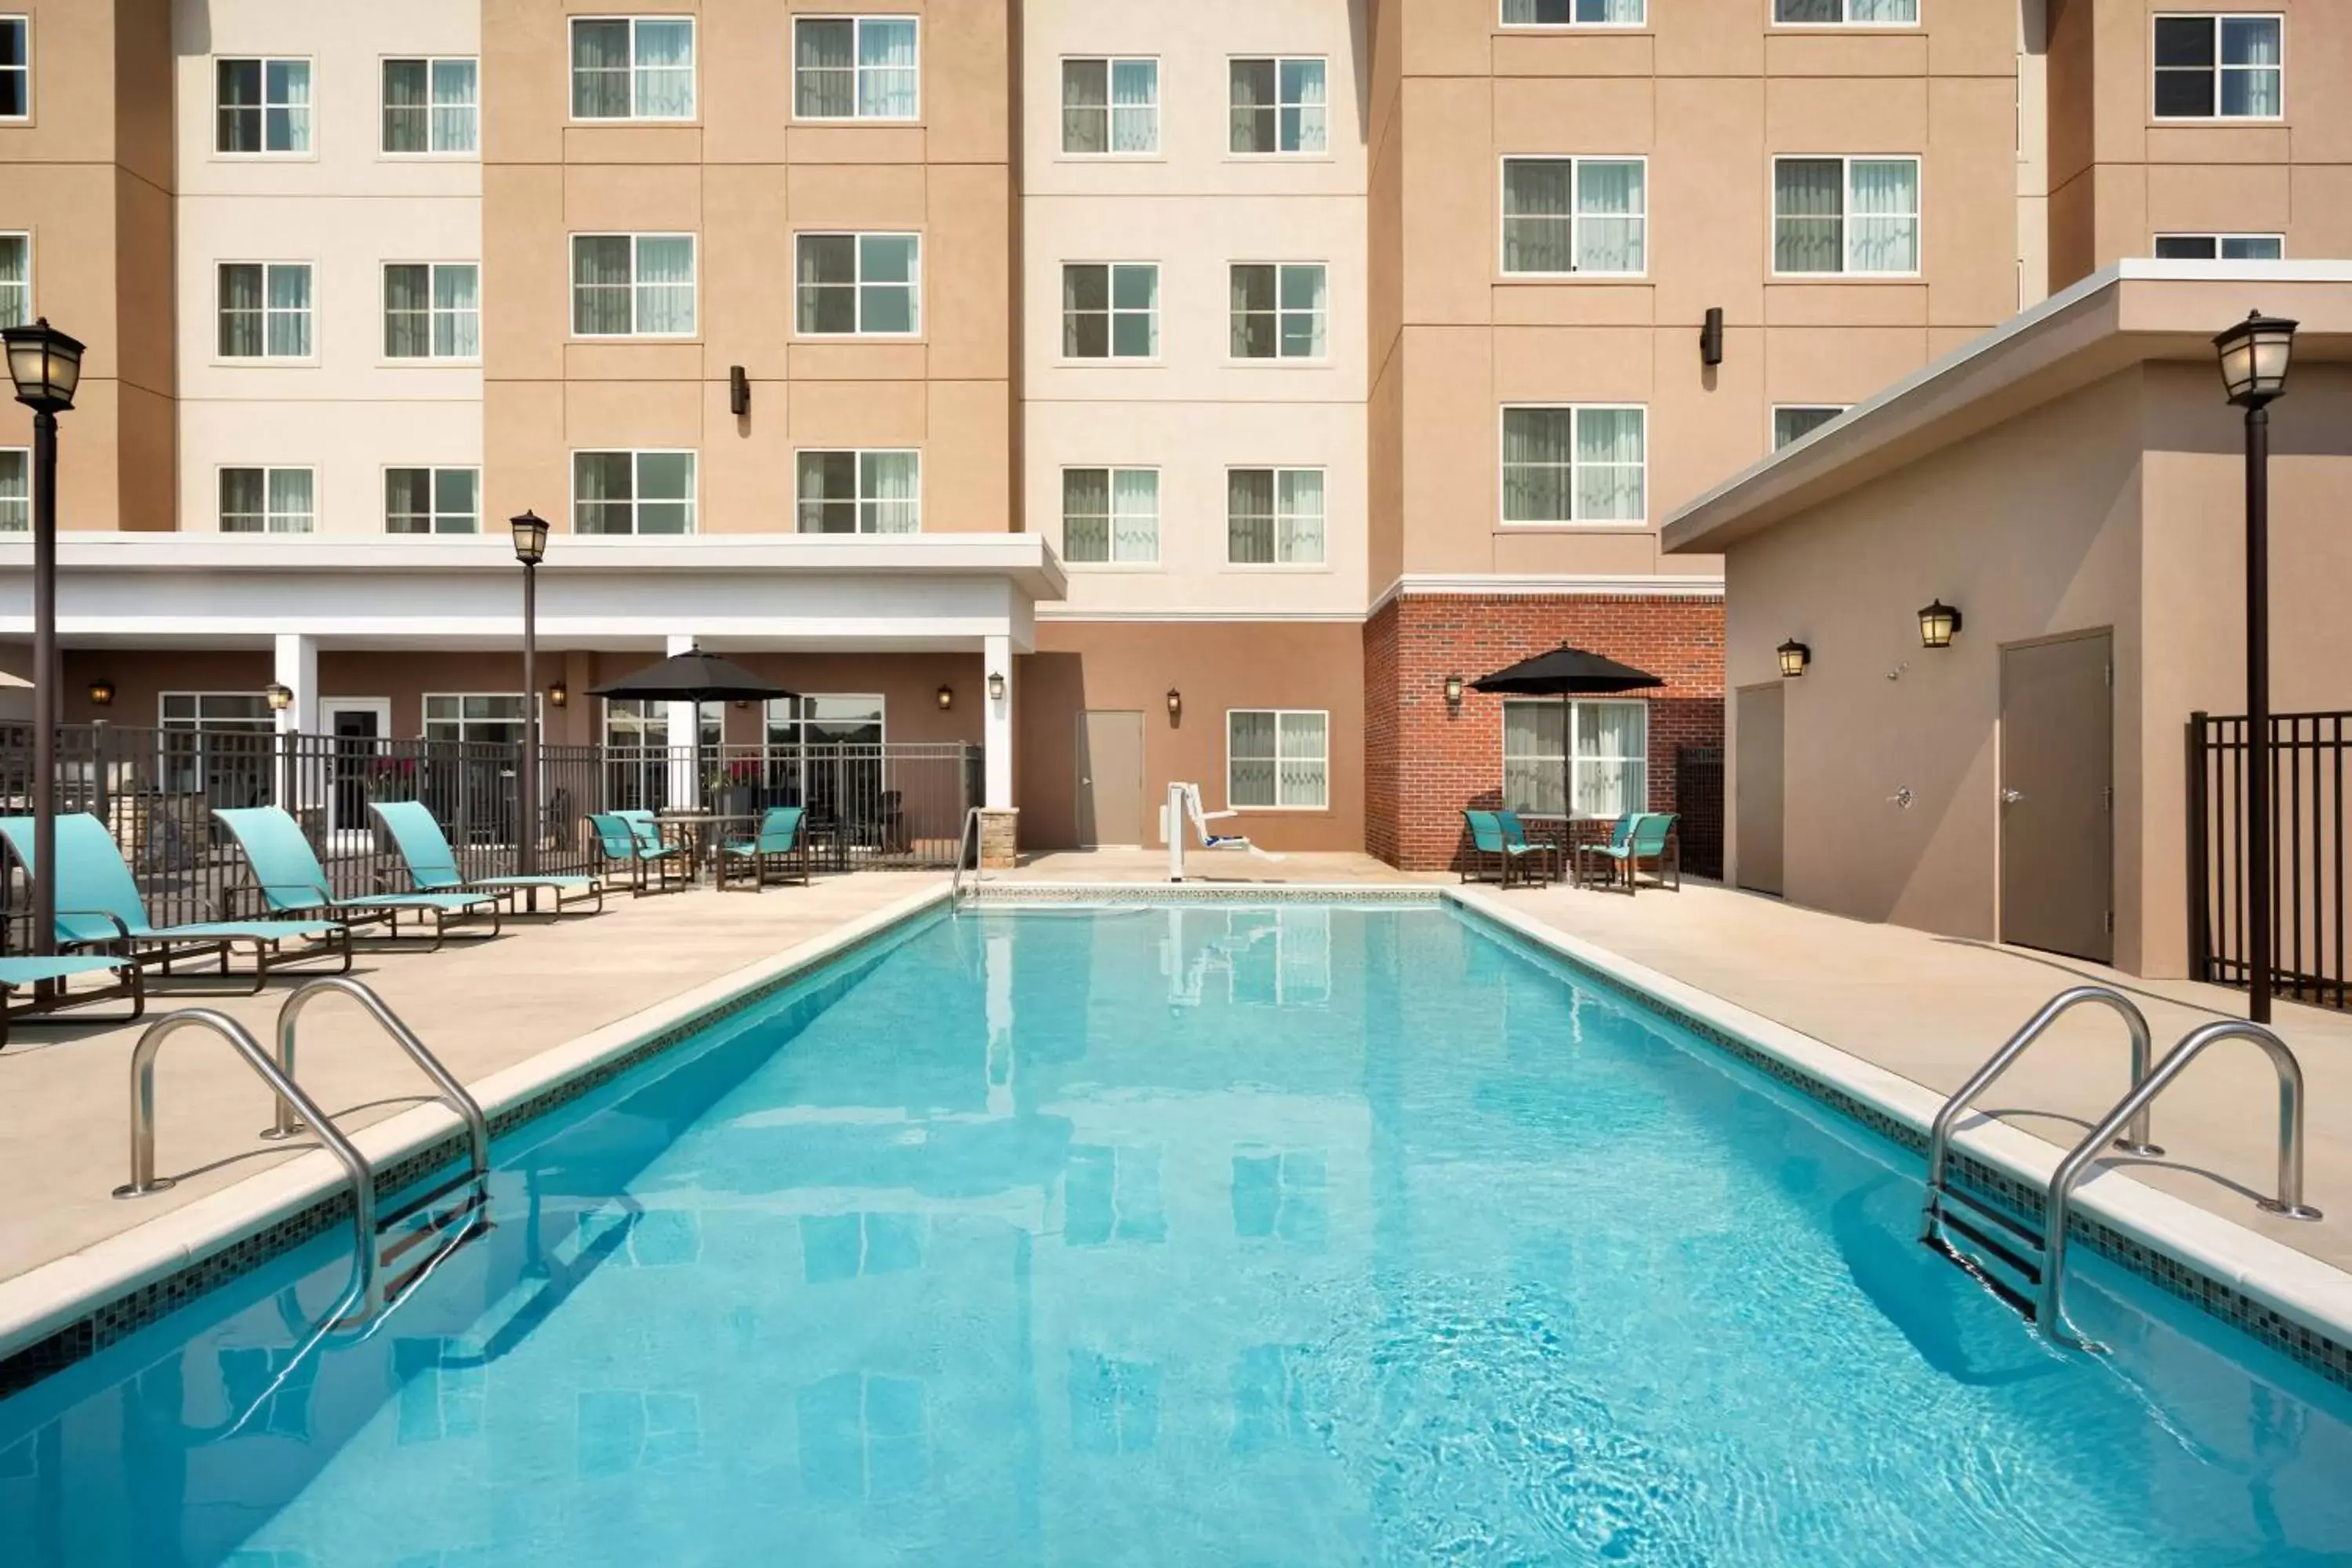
(704,832)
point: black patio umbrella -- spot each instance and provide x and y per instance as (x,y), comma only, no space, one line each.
(1564,672)
(698,677)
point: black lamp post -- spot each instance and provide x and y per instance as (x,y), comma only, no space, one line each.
(530,549)
(45,365)
(2254,355)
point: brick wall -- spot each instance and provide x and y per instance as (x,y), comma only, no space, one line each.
(1424,762)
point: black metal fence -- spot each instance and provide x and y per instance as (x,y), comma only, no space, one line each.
(1698,797)
(901,807)
(2308,853)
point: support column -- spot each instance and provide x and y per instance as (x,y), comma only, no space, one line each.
(296,668)
(685,728)
(999,817)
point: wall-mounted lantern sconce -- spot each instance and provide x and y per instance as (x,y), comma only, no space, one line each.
(558,695)
(1175,704)
(996,686)
(1794,657)
(1937,622)
(281,697)
(1710,337)
(947,698)
(739,391)
(1453,692)
(101,693)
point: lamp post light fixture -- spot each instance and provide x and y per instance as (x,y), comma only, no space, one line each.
(1937,622)
(2254,355)
(1794,657)
(1453,692)
(45,365)
(996,686)
(101,693)
(947,698)
(530,532)
(280,696)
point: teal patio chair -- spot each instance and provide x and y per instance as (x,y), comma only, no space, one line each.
(1488,837)
(1620,834)
(98,906)
(1653,838)
(1515,836)
(286,874)
(46,977)
(778,844)
(432,864)
(649,867)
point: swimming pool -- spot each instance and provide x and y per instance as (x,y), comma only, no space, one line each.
(1306,1234)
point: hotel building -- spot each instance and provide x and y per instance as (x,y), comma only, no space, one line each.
(1223,378)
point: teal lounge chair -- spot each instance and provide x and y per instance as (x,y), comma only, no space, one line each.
(286,874)
(778,844)
(1652,838)
(649,867)
(432,864)
(1487,838)
(98,906)
(18,975)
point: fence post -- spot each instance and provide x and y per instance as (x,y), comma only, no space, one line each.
(2201,911)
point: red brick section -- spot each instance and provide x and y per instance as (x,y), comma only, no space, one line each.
(1424,762)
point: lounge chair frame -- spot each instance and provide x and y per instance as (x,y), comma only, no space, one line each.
(44,979)
(368,910)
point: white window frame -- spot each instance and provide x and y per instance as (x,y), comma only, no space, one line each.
(857,285)
(1276,151)
(1110,64)
(1111,472)
(25,22)
(637,489)
(432,313)
(265,356)
(1565,766)
(31,300)
(1572,409)
(571,53)
(26,526)
(433,472)
(1575,215)
(1772,424)
(857,21)
(2220,70)
(1279,714)
(1322,562)
(861,499)
(266,471)
(469,154)
(571,285)
(262,724)
(265,61)
(1278,357)
(2220,239)
(1507,25)
(1845,162)
(424,720)
(1846,18)
(1112,311)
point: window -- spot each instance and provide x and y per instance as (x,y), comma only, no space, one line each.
(1575,214)
(1846,13)
(432,500)
(633,68)
(15,490)
(431,106)
(1274,517)
(432,310)
(16,279)
(1110,311)
(633,492)
(1110,106)
(2220,68)
(266,500)
(1846,216)
(633,285)
(1279,310)
(264,106)
(1573,13)
(1599,750)
(484,718)
(15,67)
(638,771)
(1795,421)
(265,310)
(1278,1194)
(1278,106)
(1574,464)
(246,711)
(2221,246)
(1277,758)
(824,753)
(860,285)
(861,492)
(855,67)
(1110,516)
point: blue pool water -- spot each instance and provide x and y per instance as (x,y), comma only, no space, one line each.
(1223,1236)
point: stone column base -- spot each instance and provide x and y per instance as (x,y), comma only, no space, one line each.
(1000,839)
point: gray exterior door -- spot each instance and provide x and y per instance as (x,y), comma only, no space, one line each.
(1762,765)
(2057,797)
(1110,778)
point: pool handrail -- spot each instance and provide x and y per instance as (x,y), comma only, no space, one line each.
(968,833)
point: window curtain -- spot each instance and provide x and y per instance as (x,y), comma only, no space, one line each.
(1299,505)
(1613,768)
(1303,113)
(1536,464)
(1250,751)
(665,283)
(16,492)
(1085,514)
(289,500)
(1085,106)
(600,285)
(408,500)
(1608,465)
(16,287)
(243,499)
(405,117)
(1884,12)
(2251,78)
(885,69)
(824,81)
(888,491)
(407,315)
(1304,312)
(1254,318)
(1536,222)
(1249,516)
(454,105)
(664,70)
(827,266)
(1086,313)
(1808,207)
(236,91)
(1609,201)
(289,311)
(456,313)
(601,488)
(287,106)
(1135,106)
(828,493)
(1535,757)
(240,312)
(1305,761)
(1882,233)
(1253,106)
(1135,515)
(600,70)
(1805,12)
(1623,12)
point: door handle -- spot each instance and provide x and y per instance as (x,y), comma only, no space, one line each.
(2012,796)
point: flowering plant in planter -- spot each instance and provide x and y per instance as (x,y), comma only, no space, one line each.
(390,776)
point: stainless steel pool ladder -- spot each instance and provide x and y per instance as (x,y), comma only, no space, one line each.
(2038,1256)
(970,834)
(368,1298)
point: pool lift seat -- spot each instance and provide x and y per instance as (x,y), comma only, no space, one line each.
(2022,1259)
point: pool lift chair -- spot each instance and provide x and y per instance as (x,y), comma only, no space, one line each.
(1184,803)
